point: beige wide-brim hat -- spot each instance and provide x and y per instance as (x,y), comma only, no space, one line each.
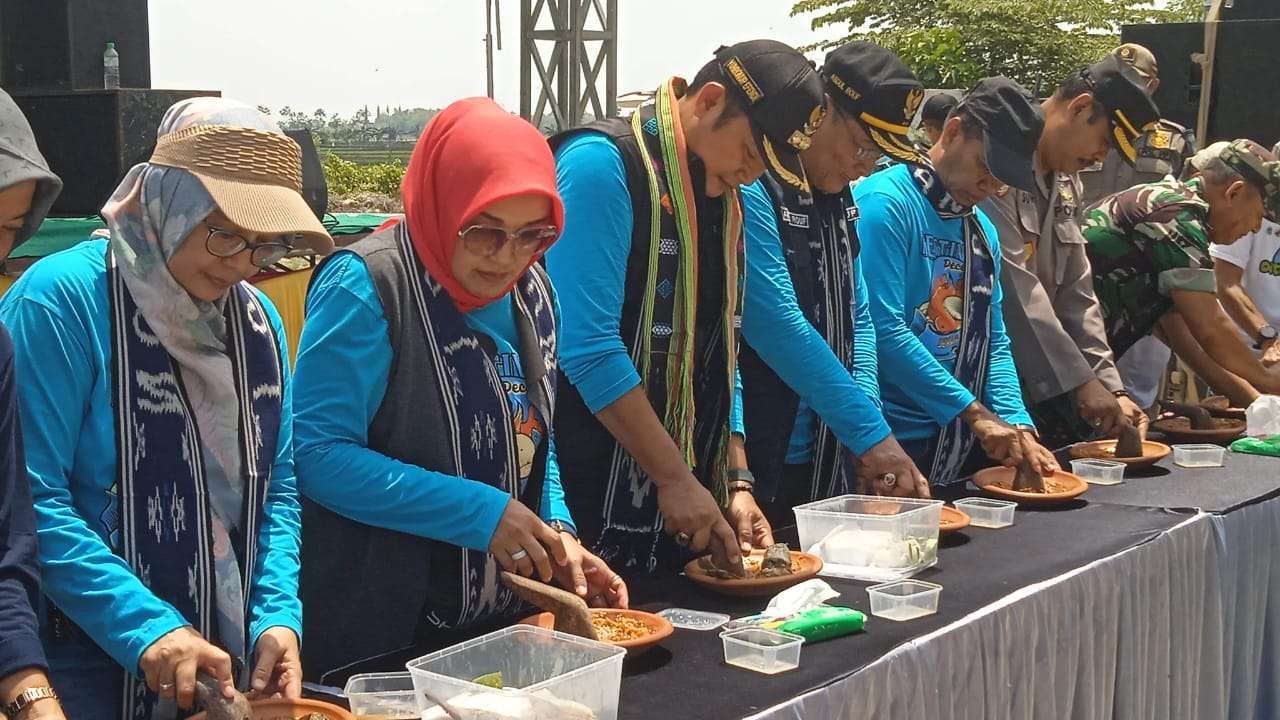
(254,176)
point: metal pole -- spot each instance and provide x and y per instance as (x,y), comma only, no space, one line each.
(488,46)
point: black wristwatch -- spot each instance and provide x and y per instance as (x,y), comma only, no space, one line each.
(1266,334)
(562,527)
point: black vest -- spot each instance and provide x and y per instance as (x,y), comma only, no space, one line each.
(587,450)
(769,405)
(365,590)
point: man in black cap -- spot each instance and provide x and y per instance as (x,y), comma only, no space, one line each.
(648,271)
(808,358)
(1161,152)
(947,378)
(934,114)
(1069,376)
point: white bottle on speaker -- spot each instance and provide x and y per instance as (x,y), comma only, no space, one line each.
(111,68)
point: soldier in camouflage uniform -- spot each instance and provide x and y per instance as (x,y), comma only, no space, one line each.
(1161,152)
(1149,248)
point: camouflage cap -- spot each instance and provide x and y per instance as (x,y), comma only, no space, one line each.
(1258,166)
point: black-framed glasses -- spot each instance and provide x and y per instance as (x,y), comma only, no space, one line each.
(487,240)
(224,244)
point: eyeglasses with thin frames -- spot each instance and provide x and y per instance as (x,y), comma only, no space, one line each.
(224,244)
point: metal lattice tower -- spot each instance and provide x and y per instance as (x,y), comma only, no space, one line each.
(568,49)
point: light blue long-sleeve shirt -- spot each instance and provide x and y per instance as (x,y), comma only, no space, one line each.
(344,360)
(896,227)
(588,266)
(777,329)
(59,315)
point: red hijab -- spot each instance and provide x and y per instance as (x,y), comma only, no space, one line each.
(471,155)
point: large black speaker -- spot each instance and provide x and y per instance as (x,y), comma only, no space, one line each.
(91,137)
(1245,84)
(58,44)
(1250,10)
(1178,96)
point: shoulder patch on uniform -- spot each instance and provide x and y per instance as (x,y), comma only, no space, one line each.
(851,213)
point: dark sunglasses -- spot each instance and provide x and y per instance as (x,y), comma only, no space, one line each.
(487,240)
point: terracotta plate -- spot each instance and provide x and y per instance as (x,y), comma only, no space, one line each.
(952,520)
(271,709)
(991,479)
(659,627)
(809,566)
(1152,452)
(1181,432)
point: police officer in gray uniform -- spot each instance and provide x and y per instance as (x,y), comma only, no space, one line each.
(1069,379)
(1161,152)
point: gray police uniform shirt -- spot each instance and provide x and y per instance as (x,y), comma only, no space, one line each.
(1051,314)
(1161,152)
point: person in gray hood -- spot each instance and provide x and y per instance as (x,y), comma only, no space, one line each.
(27,186)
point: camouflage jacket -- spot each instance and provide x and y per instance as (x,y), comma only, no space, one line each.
(1143,244)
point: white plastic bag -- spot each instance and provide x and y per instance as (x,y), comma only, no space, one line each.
(1263,416)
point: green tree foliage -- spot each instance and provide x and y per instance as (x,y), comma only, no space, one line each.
(345,177)
(955,43)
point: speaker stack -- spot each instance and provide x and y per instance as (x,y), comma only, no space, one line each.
(51,63)
(1244,81)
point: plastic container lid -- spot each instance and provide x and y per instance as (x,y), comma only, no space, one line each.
(693,619)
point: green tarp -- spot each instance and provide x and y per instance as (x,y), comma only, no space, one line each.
(61,233)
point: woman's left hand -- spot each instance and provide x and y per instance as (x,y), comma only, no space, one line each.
(277,669)
(589,577)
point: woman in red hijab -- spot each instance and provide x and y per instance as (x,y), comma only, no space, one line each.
(423,401)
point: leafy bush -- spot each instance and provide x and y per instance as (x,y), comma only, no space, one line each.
(345,177)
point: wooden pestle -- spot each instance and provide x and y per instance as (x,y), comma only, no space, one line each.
(569,610)
(1129,444)
(1199,417)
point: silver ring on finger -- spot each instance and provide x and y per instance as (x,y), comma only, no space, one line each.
(683,538)
(519,555)
(1097,422)
(889,480)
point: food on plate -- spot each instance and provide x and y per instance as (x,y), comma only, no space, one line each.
(775,562)
(1052,484)
(1196,418)
(616,627)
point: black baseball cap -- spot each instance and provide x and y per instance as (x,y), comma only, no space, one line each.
(1012,122)
(784,102)
(938,107)
(878,90)
(1120,88)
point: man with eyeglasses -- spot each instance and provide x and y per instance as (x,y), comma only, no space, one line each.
(809,390)
(1055,324)
(648,274)
(947,379)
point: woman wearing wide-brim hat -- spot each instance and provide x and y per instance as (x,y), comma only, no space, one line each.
(155,399)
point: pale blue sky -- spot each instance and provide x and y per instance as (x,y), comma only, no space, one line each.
(341,54)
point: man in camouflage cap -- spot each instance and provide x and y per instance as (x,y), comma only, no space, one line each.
(1162,151)
(1149,248)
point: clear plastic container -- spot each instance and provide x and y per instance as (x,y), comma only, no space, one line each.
(386,696)
(764,651)
(871,538)
(904,599)
(693,619)
(987,512)
(1197,456)
(530,659)
(1099,472)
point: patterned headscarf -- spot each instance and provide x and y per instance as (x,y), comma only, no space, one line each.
(20,161)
